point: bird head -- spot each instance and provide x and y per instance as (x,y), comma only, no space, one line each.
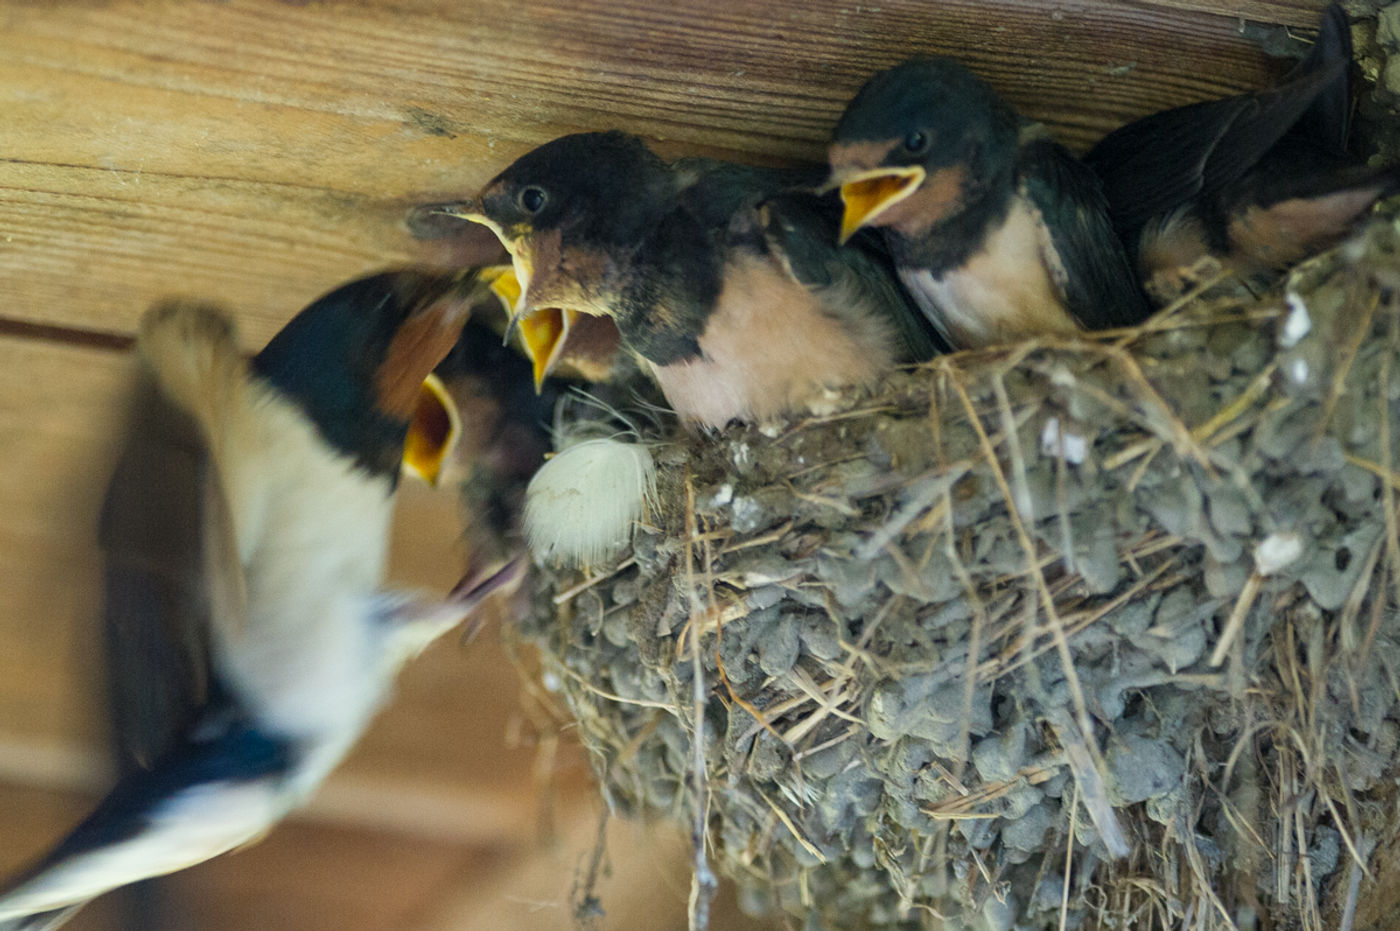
(570,213)
(359,362)
(916,145)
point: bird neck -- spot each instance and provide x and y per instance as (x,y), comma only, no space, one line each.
(948,243)
(338,399)
(675,281)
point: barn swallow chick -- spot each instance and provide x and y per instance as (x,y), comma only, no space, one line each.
(505,437)
(278,616)
(997,230)
(1257,181)
(728,287)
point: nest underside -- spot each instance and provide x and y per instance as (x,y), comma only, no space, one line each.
(1091,633)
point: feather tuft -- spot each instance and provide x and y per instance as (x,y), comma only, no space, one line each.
(582,505)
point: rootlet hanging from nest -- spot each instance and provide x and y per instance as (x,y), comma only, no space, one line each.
(1081,634)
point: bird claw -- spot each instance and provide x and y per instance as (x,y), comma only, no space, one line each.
(1167,285)
(477,586)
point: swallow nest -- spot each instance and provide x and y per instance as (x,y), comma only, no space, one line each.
(1088,634)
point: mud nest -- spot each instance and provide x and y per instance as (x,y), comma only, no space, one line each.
(1091,633)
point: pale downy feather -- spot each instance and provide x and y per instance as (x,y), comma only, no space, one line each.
(582,505)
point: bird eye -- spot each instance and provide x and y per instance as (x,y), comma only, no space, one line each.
(532,199)
(916,143)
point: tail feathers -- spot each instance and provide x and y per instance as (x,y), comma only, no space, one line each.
(44,921)
(193,354)
(1327,121)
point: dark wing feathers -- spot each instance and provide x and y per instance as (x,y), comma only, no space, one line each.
(714,191)
(802,229)
(232,752)
(1327,121)
(155,604)
(1154,165)
(1099,286)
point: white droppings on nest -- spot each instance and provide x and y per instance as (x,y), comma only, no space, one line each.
(1298,371)
(1297,324)
(1059,442)
(1277,551)
(827,403)
(723,496)
(1061,376)
(582,505)
(745,510)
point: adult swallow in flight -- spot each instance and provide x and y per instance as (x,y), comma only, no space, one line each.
(266,600)
(997,231)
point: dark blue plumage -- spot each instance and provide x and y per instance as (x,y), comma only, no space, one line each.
(326,358)
(997,231)
(1256,181)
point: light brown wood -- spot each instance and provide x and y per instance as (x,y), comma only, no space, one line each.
(258,152)
(1300,13)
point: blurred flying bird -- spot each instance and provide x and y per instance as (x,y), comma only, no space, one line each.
(246,528)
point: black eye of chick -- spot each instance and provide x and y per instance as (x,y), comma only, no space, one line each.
(532,199)
(916,143)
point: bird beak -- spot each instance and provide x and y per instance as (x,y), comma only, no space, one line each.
(543,331)
(503,283)
(471,211)
(433,432)
(867,194)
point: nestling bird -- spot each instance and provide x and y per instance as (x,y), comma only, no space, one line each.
(505,436)
(1258,181)
(997,230)
(727,284)
(282,637)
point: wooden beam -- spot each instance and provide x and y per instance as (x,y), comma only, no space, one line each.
(260,152)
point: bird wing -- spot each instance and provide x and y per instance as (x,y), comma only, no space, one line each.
(715,191)
(1326,123)
(801,229)
(44,921)
(172,570)
(206,796)
(1085,258)
(155,607)
(1160,162)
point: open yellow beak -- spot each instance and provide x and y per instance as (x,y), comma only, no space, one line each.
(543,333)
(504,284)
(870,193)
(432,433)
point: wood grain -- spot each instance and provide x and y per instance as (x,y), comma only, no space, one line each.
(1300,13)
(258,153)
